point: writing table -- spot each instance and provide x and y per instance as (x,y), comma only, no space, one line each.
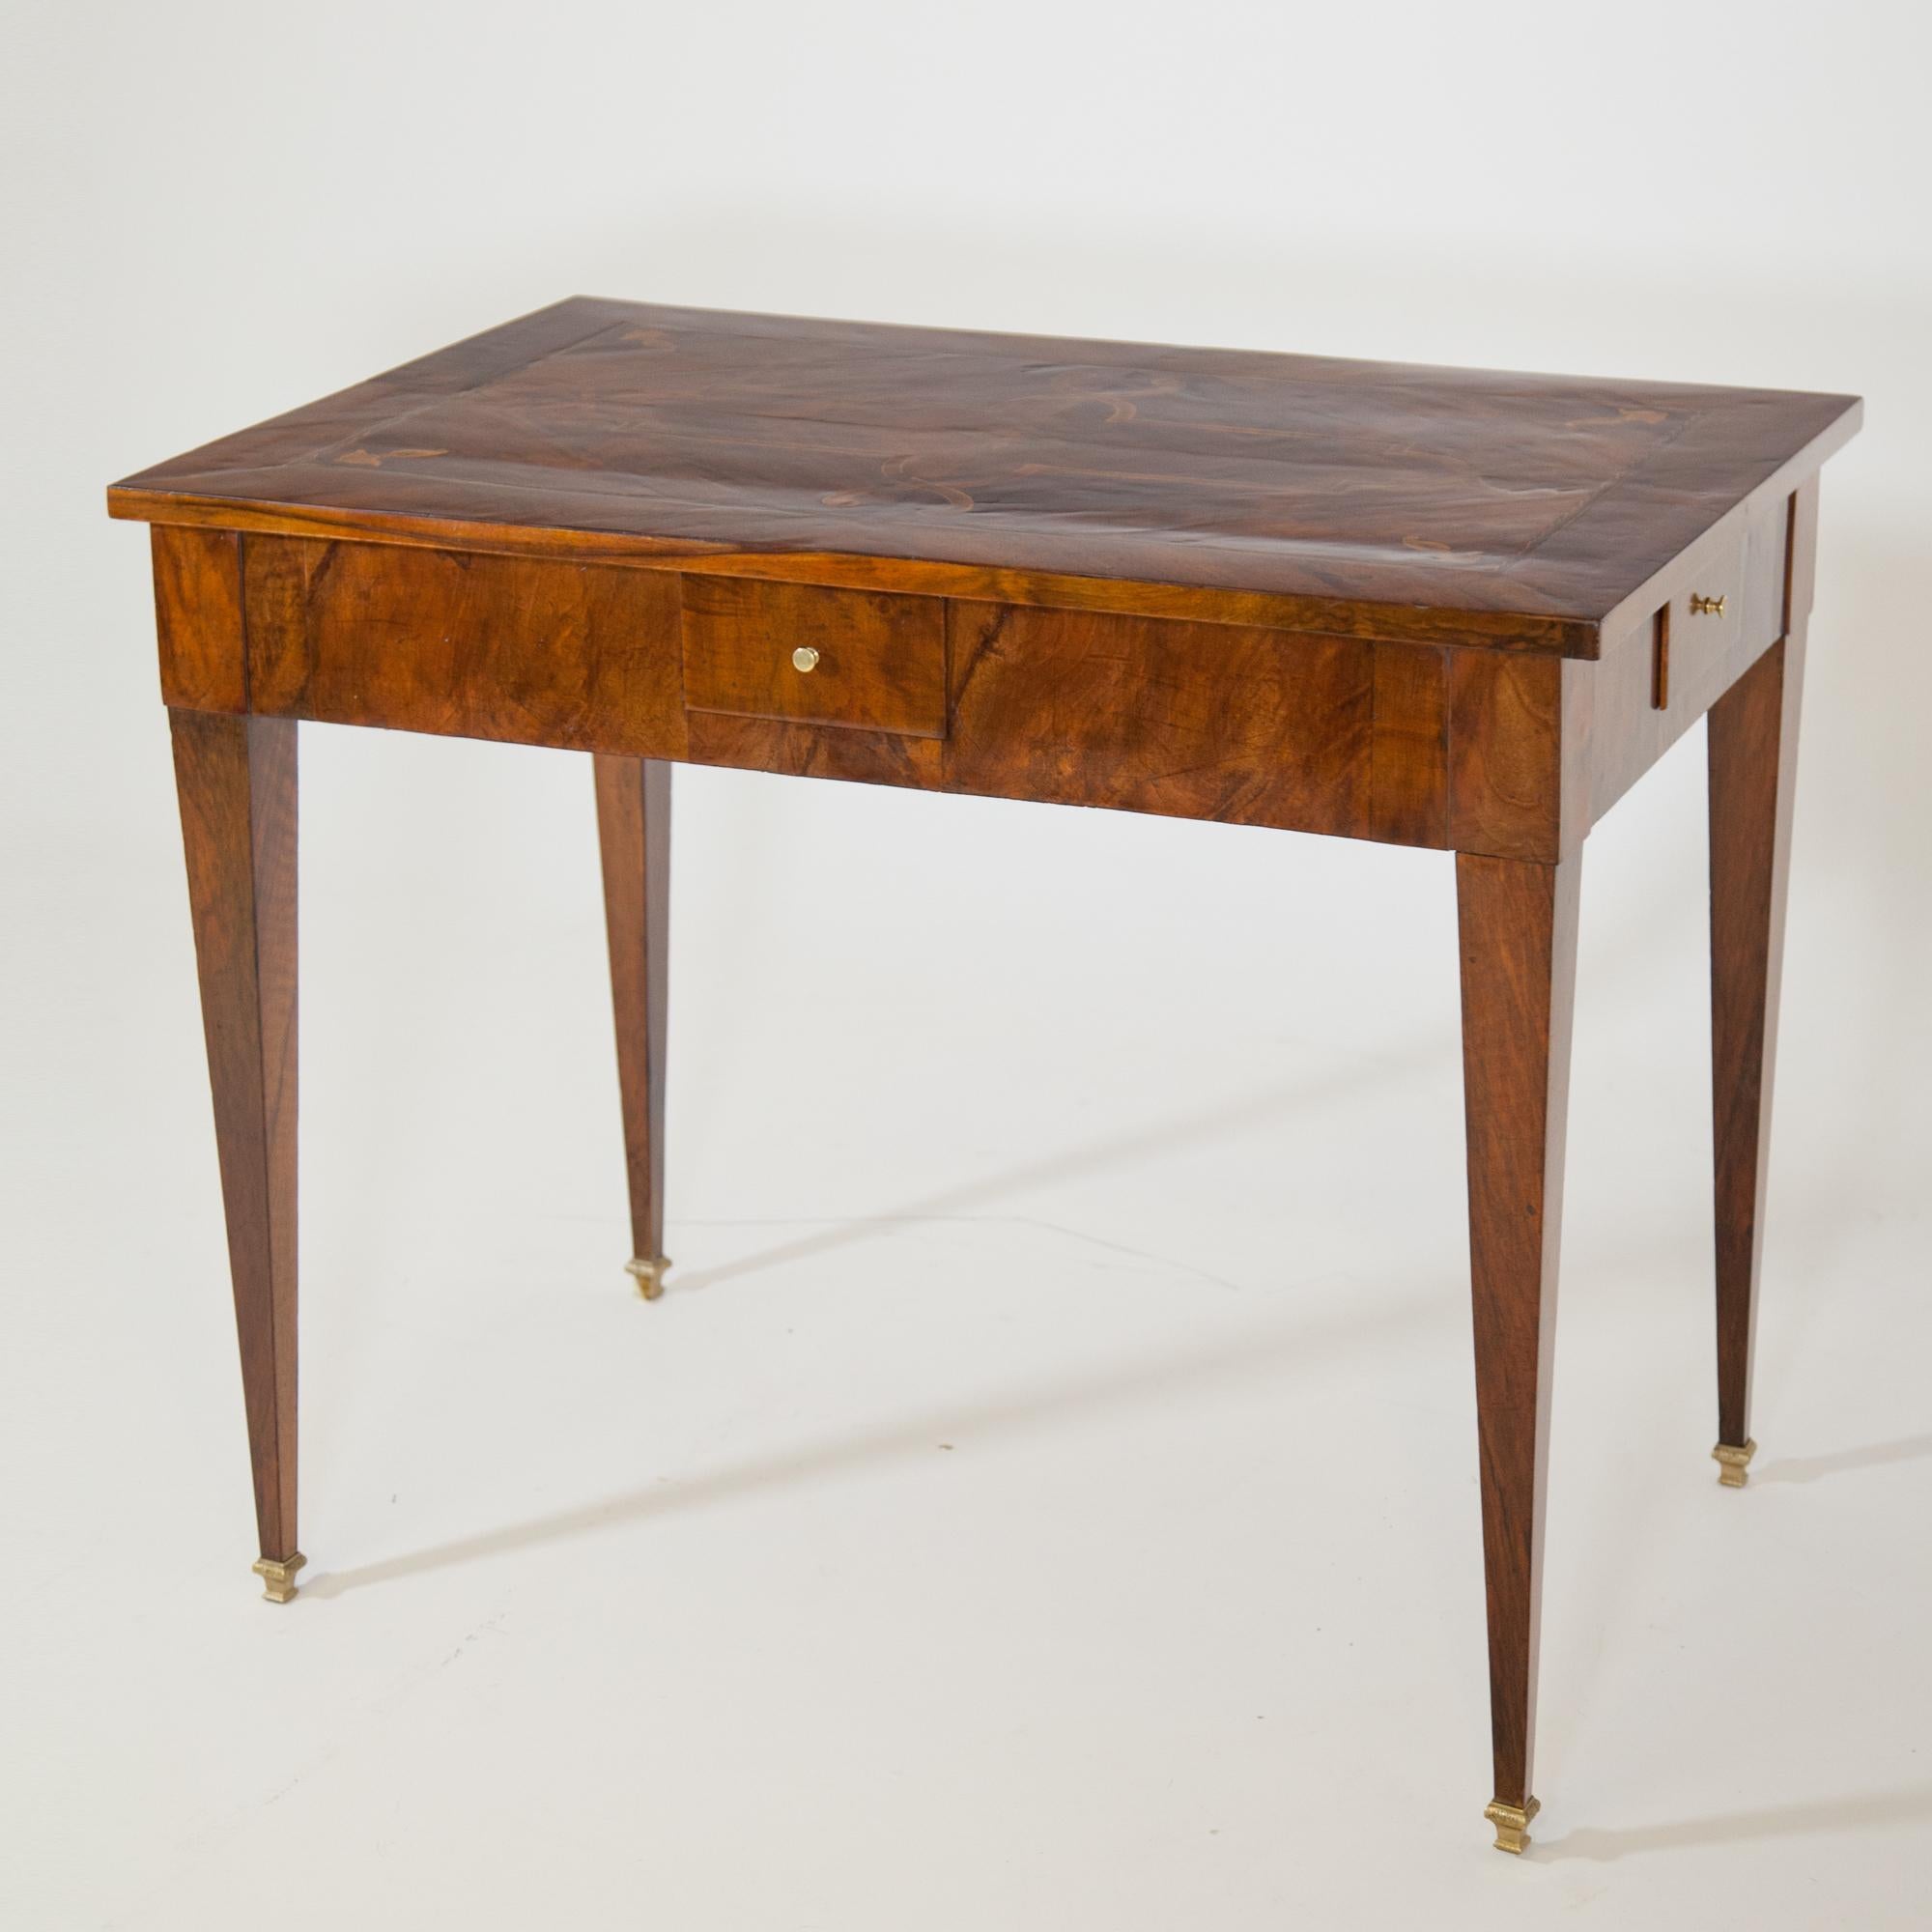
(1434,607)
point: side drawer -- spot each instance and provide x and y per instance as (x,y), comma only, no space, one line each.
(1655,680)
(815,656)
(1702,627)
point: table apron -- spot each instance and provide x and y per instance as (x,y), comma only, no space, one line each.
(1449,746)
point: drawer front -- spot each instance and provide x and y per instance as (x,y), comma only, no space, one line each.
(1730,607)
(1655,680)
(1703,622)
(815,656)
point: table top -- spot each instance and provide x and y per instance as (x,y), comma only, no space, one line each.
(1460,501)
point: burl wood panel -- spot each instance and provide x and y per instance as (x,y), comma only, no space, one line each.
(881,659)
(1518,925)
(1258,728)
(1506,753)
(236,777)
(1480,750)
(1304,492)
(1252,726)
(580,656)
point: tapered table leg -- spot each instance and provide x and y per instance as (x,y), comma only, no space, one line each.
(1517,922)
(1753,756)
(236,777)
(634,832)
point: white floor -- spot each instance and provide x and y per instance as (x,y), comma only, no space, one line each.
(1046,1495)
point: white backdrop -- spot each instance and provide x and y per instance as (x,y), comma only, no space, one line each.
(1046,1496)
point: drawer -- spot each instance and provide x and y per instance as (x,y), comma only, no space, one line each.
(1655,680)
(1731,607)
(815,656)
(1702,623)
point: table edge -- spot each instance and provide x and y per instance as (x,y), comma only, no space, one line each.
(1570,634)
(1542,633)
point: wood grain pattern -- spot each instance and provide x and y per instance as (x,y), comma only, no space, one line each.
(881,659)
(236,777)
(1197,719)
(1368,500)
(1753,759)
(1252,725)
(198,618)
(572,655)
(1408,767)
(1506,765)
(1434,607)
(804,750)
(634,837)
(1619,730)
(1257,728)
(1518,926)
(1483,751)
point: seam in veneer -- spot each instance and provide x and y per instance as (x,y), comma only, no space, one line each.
(442,397)
(423,403)
(1609,483)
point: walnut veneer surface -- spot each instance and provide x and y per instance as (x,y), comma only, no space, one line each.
(1442,607)
(1315,492)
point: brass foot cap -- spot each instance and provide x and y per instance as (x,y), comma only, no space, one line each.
(1512,1823)
(278,1580)
(649,1276)
(1733,1464)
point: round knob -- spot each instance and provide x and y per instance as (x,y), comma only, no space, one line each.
(805,658)
(1706,607)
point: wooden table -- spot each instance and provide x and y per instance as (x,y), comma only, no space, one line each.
(1434,607)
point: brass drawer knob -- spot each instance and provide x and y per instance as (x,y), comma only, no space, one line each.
(805,658)
(1706,607)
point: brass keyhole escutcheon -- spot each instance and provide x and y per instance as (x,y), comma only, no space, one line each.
(1706,607)
(805,658)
